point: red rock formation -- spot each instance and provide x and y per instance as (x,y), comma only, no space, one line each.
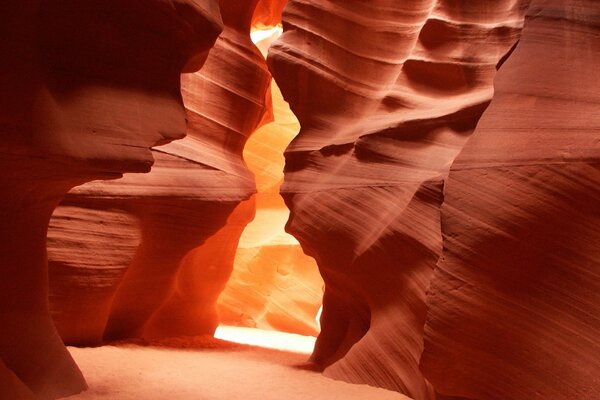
(70,81)
(515,303)
(387,93)
(11,386)
(276,287)
(190,193)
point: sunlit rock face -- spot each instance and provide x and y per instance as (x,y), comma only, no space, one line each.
(387,93)
(70,82)
(148,285)
(268,13)
(514,307)
(273,285)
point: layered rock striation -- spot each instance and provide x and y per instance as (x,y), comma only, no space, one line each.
(387,93)
(148,285)
(70,81)
(514,303)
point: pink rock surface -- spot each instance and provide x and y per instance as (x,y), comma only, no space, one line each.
(70,82)
(273,287)
(387,93)
(515,302)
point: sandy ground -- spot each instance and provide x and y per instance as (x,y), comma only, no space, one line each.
(208,369)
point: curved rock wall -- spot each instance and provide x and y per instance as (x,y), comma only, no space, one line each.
(193,188)
(387,93)
(514,306)
(88,250)
(70,81)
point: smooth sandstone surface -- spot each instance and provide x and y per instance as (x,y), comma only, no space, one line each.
(387,93)
(226,104)
(12,387)
(268,13)
(514,305)
(88,251)
(70,82)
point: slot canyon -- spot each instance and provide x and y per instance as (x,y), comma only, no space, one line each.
(301,199)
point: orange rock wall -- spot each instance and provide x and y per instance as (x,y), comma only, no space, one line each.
(268,13)
(179,226)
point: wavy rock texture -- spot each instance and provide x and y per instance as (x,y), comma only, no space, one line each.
(193,188)
(515,302)
(387,94)
(71,82)
(274,285)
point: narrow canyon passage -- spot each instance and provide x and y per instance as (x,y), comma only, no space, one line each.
(274,285)
(271,301)
(299,199)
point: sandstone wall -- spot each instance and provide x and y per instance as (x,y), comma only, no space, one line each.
(514,303)
(191,192)
(87,88)
(387,93)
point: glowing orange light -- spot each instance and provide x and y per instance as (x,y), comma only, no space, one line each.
(267,339)
(274,285)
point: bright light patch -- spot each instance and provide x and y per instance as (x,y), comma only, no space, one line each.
(262,34)
(267,229)
(267,339)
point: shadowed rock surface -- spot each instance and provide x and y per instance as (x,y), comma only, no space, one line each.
(193,188)
(515,302)
(70,81)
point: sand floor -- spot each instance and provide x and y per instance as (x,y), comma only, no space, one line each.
(208,369)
